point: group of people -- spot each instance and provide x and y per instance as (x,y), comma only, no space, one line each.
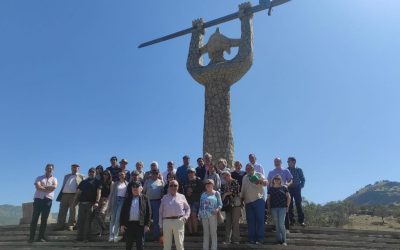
(152,204)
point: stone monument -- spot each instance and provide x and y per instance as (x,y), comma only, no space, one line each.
(220,74)
(217,78)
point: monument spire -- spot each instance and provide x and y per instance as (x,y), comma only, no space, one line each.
(217,77)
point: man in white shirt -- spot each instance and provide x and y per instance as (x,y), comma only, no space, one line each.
(45,186)
(257,167)
(66,197)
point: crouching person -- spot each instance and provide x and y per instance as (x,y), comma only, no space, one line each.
(135,216)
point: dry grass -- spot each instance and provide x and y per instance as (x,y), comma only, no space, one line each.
(367,222)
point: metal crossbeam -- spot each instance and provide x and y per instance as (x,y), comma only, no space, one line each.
(263,5)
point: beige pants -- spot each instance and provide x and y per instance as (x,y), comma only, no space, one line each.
(210,229)
(176,228)
(65,203)
(232,224)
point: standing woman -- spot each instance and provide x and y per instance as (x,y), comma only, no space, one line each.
(115,201)
(211,174)
(231,192)
(210,205)
(100,212)
(278,203)
(99,173)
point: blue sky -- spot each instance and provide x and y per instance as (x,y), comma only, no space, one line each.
(74,87)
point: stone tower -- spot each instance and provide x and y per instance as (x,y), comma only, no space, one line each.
(217,77)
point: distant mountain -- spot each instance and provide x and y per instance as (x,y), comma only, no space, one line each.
(381,193)
(10,215)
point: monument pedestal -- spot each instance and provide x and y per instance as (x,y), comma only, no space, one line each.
(27,211)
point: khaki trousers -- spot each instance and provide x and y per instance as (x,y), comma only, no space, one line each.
(176,228)
(232,224)
(210,230)
(65,204)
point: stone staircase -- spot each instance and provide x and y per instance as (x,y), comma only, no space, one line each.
(310,238)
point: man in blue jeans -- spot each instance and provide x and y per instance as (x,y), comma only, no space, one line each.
(252,195)
(295,192)
(154,190)
(43,198)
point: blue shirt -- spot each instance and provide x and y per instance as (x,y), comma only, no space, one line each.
(208,203)
(284,173)
(182,175)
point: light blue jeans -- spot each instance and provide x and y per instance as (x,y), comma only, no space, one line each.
(114,220)
(279,213)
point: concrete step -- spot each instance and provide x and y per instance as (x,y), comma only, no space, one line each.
(156,246)
(15,237)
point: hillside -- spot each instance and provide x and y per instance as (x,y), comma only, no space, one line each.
(381,193)
(10,215)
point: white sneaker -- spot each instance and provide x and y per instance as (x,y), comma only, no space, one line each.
(287,231)
(284,244)
(111,239)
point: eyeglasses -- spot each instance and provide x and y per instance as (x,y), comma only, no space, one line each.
(173,186)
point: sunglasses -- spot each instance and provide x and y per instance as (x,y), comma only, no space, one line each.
(173,186)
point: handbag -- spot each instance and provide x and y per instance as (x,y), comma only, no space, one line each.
(220,218)
(237,202)
(227,204)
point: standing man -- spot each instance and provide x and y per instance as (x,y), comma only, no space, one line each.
(257,167)
(139,169)
(238,173)
(153,167)
(135,216)
(192,191)
(201,169)
(114,168)
(222,166)
(252,195)
(66,198)
(170,169)
(154,190)
(44,194)
(122,166)
(182,172)
(295,191)
(285,174)
(173,213)
(88,195)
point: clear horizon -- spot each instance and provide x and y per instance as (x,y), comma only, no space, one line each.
(74,88)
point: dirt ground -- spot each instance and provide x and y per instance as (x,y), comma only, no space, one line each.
(367,222)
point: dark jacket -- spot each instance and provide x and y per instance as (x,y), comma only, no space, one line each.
(144,213)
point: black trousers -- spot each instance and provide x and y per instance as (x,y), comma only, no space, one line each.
(134,232)
(41,207)
(85,217)
(295,193)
